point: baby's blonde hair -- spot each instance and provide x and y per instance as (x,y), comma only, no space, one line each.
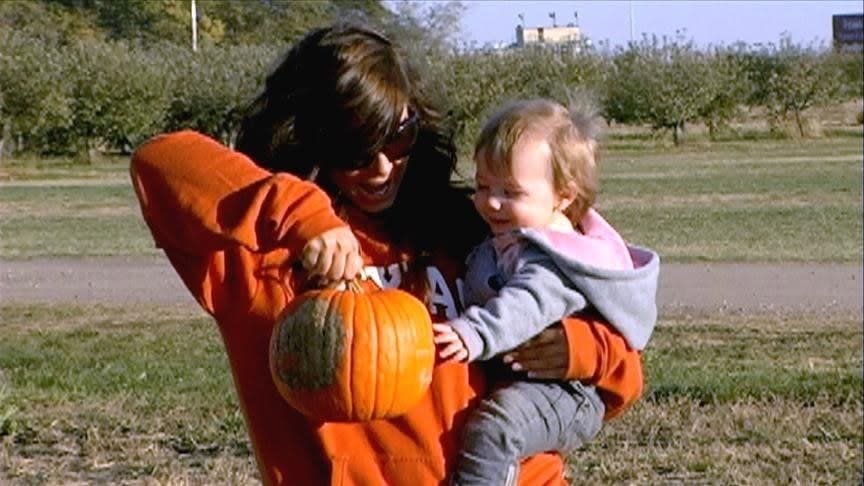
(571,133)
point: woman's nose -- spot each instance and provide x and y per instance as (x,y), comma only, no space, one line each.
(381,165)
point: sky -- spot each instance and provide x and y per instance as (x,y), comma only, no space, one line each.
(703,21)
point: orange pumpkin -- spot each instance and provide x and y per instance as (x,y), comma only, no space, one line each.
(354,354)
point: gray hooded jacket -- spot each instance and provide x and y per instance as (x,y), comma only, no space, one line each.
(547,285)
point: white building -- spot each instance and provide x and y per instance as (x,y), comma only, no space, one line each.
(526,36)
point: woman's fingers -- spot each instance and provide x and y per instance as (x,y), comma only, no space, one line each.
(336,270)
(333,255)
(353,265)
(311,254)
(545,356)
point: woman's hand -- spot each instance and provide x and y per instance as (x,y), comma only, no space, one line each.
(545,356)
(333,255)
(449,344)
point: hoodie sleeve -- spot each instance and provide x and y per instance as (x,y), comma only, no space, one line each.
(533,298)
(600,356)
(220,218)
(200,196)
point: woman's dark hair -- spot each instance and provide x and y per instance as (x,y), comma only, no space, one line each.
(339,93)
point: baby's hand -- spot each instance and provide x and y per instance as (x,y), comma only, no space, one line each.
(451,349)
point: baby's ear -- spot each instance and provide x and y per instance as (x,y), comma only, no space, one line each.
(566,197)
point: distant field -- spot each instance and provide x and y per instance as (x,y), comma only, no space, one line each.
(142,395)
(742,200)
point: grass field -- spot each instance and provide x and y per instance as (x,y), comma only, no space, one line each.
(762,200)
(144,395)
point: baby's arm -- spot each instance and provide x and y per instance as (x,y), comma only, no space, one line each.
(533,298)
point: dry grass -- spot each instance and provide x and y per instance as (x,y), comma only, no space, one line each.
(736,399)
(142,395)
(683,441)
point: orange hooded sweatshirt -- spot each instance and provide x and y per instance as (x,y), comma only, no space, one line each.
(231,230)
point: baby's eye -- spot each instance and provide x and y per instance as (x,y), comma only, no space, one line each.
(513,193)
(482,187)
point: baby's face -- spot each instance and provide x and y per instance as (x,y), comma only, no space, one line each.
(527,199)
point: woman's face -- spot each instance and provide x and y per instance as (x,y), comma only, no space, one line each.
(373,188)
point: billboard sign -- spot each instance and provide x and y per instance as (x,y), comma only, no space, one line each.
(848,29)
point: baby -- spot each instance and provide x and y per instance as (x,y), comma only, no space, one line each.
(550,255)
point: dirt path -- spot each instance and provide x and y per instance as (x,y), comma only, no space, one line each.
(696,288)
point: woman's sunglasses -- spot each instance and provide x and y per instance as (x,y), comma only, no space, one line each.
(398,145)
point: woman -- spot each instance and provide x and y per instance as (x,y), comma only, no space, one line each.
(343,167)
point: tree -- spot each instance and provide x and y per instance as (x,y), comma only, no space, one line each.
(148,21)
(210,88)
(120,96)
(667,83)
(37,95)
(789,79)
(729,90)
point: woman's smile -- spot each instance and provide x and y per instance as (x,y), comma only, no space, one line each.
(376,191)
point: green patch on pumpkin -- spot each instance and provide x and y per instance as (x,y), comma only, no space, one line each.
(311,346)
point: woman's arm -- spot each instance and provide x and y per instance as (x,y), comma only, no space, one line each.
(588,350)
(199,196)
(217,216)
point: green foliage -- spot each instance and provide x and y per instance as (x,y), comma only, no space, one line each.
(850,65)
(209,88)
(788,79)
(78,76)
(422,28)
(669,83)
(225,22)
(474,83)
(52,21)
(120,95)
(38,99)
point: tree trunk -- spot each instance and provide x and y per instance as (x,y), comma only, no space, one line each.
(799,123)
(678,133)
(712,130)
(4,137)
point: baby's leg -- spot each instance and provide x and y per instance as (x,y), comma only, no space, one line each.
(523,419)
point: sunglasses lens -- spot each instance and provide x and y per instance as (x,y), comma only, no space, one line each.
(397,146)
(402,141)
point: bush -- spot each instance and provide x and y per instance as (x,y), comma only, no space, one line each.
(120,95)
(105,95)
(38,97)
(669,83)
(209,88)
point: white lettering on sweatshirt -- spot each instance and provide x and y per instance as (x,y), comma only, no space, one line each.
(442,304)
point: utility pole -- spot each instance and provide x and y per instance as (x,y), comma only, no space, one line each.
(632,37)
(194,27)
(552,15)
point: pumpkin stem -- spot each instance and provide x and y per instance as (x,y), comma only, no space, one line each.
(354,285)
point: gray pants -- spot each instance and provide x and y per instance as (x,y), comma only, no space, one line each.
(525,418)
